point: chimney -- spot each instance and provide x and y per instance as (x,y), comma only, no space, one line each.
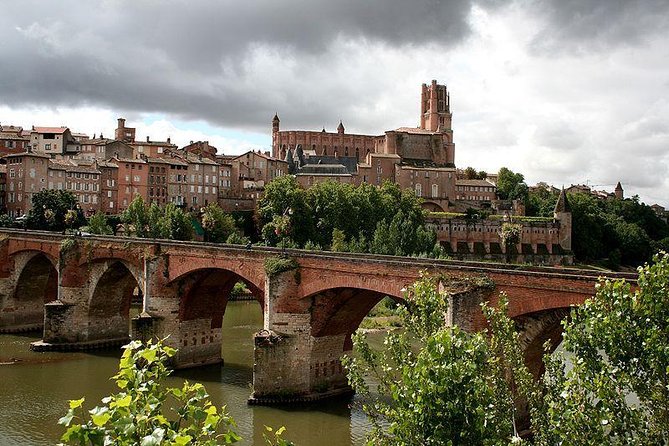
(168,140)
(147,139)
(101,137)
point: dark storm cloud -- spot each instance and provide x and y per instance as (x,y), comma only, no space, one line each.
(596,25)
(235,63)
(190,58)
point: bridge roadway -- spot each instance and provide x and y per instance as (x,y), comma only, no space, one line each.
(79,290)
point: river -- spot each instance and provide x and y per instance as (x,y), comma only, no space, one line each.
(35,390)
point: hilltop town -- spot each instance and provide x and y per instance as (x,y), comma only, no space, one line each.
(106,174)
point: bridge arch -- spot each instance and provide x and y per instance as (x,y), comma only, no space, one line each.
(112,286)
(36,284)
(204,293)
(340,311)
(203,296)
(431,206)
(537,328)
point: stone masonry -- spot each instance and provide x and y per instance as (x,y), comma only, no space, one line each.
(80,290)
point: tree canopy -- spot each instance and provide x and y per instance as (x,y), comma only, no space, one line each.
(441,385)
(167,222)
(511,185)
(365,218)
(50,208)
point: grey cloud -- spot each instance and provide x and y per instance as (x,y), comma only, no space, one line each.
(558,135)
(597,25)
(191,58)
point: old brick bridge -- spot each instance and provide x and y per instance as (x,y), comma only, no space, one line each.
(80,290)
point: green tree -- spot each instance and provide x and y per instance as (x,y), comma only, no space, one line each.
(439,385)
(136,218)
(339,241)
(5,221)
(175,224)
(510,185)
(97,224)
(540,203)
(617,392)
(167,222)
(218,225)
(471,174)
(49,208)
(384,220)
(284,196)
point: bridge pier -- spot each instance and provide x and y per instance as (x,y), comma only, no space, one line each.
(92,309)
(290,364)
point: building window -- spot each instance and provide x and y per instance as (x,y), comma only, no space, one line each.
(419,190)
(435,190)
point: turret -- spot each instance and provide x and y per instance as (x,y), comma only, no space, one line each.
(275,123)
(619,191)
(340,128)
(562,213)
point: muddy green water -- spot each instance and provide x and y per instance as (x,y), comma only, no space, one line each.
(34,391)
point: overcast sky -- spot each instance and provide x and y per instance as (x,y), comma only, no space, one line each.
(564,91)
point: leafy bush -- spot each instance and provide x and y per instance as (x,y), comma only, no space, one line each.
(137,414)
(146,413)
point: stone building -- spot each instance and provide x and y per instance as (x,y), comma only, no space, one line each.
(26,175)
(541,240)
(148,148)
(177,180)
(54,141)
(133,180)
(3,188)
(12,140)
(420,158)
(201,148)
(252,171)
(475,190)
(103,149)
(159,170)
(108,187)
(202,182)
(82,179)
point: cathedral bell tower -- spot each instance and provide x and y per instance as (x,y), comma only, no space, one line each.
(275,137)
(435,108)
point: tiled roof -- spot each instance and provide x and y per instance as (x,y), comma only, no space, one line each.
(12,136)
(50,129)
(35,154)
(96,141)
(72,167)
(414,130)
(485,183)
(11,128)
(129,160)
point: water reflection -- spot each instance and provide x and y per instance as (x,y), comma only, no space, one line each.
(34,391)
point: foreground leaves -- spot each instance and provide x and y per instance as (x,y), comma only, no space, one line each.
(144,412)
